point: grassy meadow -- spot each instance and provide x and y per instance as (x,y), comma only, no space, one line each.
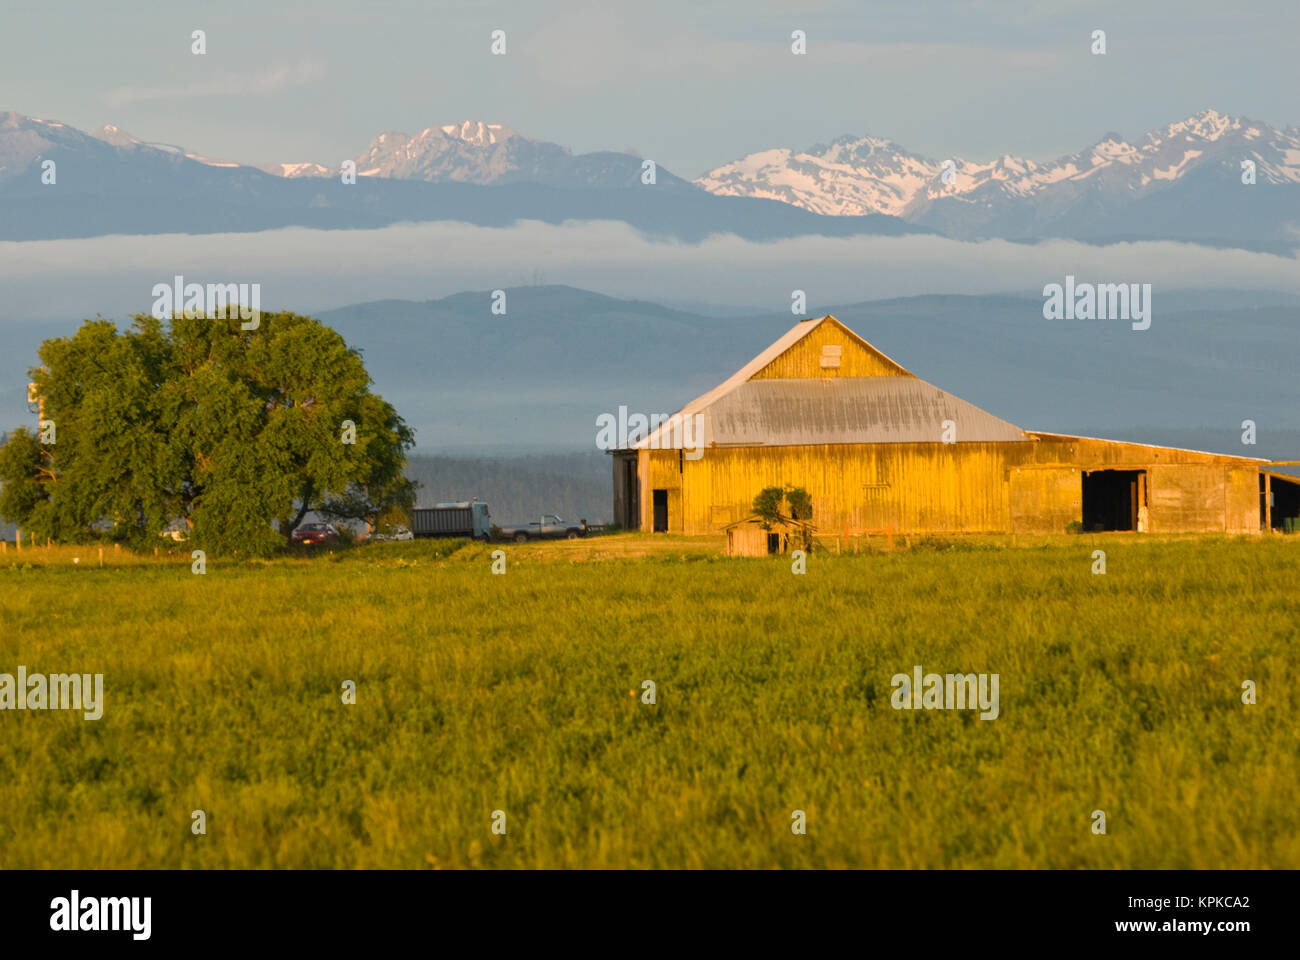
(521,692)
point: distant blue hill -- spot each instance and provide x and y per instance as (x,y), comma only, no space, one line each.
(536,378)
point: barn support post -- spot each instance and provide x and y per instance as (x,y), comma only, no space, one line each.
(1268,503)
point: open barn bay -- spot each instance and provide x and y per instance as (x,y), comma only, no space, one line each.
(522,693)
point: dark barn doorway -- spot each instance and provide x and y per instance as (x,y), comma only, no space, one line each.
(1279,502)
(627,488)
(661,511)
(1111,499)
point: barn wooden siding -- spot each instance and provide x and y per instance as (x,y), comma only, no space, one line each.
(1187,491)
(1027,487)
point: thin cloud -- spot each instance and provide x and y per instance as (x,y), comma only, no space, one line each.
(225,84)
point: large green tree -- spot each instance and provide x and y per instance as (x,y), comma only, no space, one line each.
(229,429)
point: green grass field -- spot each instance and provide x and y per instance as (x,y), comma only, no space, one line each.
(521,693)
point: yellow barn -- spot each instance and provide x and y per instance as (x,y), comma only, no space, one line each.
(877,448)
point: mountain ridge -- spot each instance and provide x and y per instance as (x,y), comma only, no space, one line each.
(1181,182)
(876,174)
(118,184)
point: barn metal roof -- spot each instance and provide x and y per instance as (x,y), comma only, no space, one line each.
(784,412)
(742,411)
(848,410)
(1069,437)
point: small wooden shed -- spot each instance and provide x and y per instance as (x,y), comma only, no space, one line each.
(748,538)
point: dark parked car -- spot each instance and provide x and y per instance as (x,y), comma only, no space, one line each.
(315,533)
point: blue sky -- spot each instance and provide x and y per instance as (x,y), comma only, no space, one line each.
(691,84)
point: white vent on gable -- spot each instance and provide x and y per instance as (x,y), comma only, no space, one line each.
(831,355)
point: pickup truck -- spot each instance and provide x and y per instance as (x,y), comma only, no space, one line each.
(550,527)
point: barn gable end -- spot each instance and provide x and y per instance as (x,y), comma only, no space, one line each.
(829,349)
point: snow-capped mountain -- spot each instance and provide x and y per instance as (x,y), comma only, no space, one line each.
(487,154)
(469,152)
(1181,182)
(858,175)
(111,182)
(291,170)
(120,138)
(24,140)
(107,154)
(843,177)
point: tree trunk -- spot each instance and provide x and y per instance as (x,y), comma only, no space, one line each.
(306,505)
